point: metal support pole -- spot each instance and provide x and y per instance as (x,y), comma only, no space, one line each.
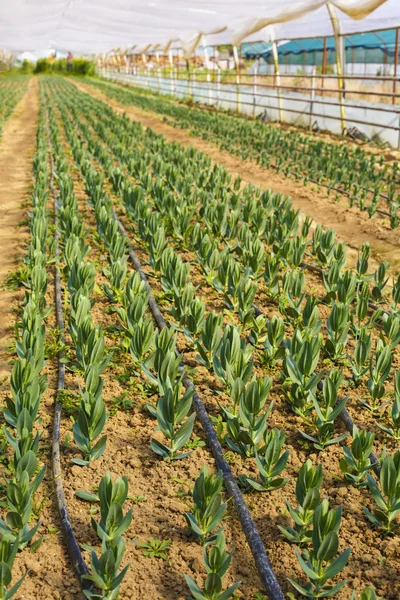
(339,62)
(158,72)
(171,72)
(277,79)
(207,65)
(255,87)
(324,62)
(396,64)
(237,68)
(218,87)
(312,97)
(189,93)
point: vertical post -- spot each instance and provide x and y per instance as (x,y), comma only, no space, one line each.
(255,87)
(171,73)
(218,86)
(237,67)
(339,62)
(312,97)
(158,72)
(324,61)
(277,78)
(188,79)
(207,65)
(396,64)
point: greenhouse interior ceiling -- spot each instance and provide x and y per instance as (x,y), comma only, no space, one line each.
(87,26)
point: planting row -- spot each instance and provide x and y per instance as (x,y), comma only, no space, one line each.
(11,92)
(240,431)
(369,183)
(23,474)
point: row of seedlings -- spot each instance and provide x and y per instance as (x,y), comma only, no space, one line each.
(89,360)
(367,181)
(27,382)
(329,409)
(271,481)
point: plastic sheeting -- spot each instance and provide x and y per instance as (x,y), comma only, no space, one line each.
(97,26)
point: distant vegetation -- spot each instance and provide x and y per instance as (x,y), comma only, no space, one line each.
(80,66)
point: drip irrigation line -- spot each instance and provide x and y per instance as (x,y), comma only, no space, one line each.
(74,552)
(258,551)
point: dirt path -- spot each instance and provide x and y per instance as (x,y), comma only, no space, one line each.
(352,227)
(17,148)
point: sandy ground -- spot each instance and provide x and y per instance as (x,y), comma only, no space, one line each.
(17,147)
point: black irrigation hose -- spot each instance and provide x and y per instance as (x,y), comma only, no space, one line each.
(74,552)
(261,559)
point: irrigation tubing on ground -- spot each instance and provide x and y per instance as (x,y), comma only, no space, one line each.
(258,551)
(74,552)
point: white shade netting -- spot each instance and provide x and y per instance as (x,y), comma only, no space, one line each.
(98,26)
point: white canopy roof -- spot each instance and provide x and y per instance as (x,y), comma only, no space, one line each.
(97,26)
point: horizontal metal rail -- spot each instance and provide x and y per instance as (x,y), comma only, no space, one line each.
(292,110)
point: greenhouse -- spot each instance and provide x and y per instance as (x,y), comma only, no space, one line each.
(199,300)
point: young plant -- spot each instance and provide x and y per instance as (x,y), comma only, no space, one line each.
(156,548)
(209,339)
(394,430)
(19,493)
(170,412)
(356,462)
(300,363)
(319,563)
(368,593)
(328,409)
(251,420)
(308,486)
(232,357)
(8,552)
(388,497)
(270,463)
(274,350)
(359,364)
(208,508)
(106,573)
(216,562)
(338,325)
(379,370)
(91,419)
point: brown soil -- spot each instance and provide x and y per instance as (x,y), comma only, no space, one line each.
(352,226)
(17,147)
(373,560)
